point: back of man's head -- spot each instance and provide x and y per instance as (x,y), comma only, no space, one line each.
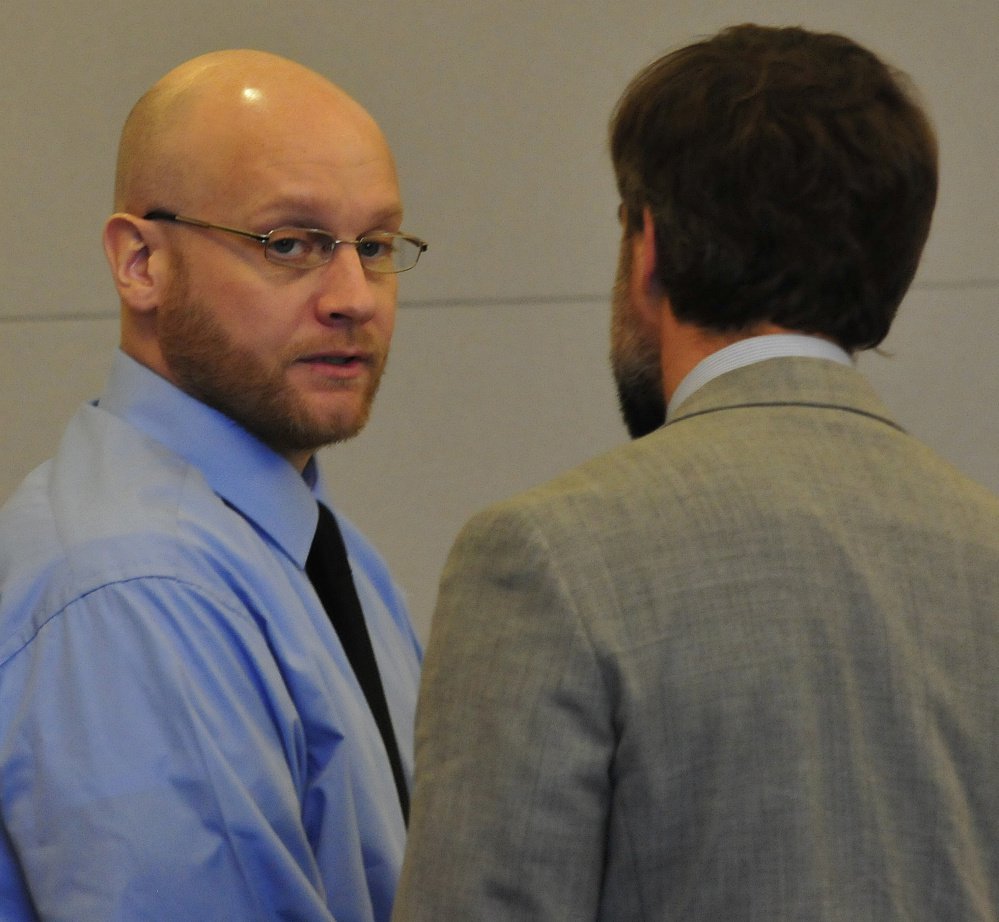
(791,177)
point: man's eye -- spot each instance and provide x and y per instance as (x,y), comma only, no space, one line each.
(288,246)
(374,248)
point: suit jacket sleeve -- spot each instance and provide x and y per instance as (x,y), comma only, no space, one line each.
(514,739)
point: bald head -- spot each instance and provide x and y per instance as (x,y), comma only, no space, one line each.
(184,135)
(240,144)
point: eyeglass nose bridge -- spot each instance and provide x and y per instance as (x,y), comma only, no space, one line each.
(329,250)
(353,244)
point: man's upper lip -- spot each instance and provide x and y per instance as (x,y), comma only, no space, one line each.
(328,354)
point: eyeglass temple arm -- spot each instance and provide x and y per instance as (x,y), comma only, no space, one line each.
(160,215)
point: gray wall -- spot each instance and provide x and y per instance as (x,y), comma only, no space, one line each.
(497,112)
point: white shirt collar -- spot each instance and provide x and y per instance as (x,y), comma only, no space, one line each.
(752,350)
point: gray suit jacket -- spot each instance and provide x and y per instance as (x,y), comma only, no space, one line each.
(744,668)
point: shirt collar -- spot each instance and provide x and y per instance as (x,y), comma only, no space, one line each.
(752,350)
(252,478)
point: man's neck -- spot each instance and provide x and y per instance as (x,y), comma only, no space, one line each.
(749,350)
(685,345)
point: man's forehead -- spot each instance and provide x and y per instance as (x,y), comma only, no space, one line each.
(272,160)
(320,210)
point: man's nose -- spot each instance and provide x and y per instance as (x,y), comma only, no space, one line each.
(346,290)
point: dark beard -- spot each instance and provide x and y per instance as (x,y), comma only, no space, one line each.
(640,398)
(635,360)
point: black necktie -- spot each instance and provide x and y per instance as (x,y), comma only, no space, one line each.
(329,571)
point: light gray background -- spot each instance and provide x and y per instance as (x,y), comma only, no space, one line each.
(497,113)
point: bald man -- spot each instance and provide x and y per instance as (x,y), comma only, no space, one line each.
(186,731)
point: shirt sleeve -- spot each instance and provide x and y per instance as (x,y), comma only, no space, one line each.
(514,740)
(154,765)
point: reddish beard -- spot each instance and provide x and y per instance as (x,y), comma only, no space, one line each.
(254,392)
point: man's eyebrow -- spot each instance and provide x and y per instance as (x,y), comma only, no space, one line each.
(391,214)
(306,214)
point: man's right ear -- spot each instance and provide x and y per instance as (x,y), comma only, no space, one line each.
(137,260)
(650,280)
(646,291)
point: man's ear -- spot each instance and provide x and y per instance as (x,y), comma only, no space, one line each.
(648,265)
(135,256)
(646,291)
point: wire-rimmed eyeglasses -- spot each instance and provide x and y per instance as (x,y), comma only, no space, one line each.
(308,247)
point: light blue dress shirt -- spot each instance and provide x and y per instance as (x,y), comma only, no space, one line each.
(181,735)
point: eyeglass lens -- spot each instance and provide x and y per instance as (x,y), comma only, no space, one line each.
(301,247)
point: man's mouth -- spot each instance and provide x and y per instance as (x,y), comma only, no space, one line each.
(324,359)
(337,364)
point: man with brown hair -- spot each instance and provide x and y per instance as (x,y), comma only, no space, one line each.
(745,666)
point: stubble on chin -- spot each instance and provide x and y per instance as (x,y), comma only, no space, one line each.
(635,362)
(253,392)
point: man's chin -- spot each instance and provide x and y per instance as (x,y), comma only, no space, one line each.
(294,432)
(642,408)
(643,421)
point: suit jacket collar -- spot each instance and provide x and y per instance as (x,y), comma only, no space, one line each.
(791,381)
